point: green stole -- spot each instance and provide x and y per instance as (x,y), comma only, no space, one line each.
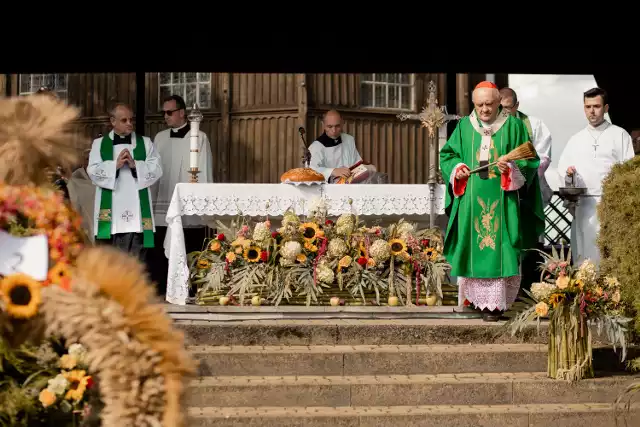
(104,217)
(525,119)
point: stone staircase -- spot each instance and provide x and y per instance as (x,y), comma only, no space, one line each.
(392,372)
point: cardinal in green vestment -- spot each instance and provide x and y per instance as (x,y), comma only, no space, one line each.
(494,214)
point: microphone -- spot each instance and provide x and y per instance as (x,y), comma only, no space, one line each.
(301,131)
(306,158)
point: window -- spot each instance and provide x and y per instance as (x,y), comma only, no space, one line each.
(193,87)
(388,91)
(30,83)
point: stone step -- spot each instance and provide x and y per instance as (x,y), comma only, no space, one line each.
(340,360)
(565,415)
(398,390)
(354,332)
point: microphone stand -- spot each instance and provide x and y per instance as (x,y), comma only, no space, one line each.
(306,158)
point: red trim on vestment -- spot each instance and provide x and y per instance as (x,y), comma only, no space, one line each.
(505,179)
(460,185)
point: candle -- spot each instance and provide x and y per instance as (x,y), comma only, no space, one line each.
(193,158)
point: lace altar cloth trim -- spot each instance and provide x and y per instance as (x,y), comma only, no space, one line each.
(274,199)
(492,294)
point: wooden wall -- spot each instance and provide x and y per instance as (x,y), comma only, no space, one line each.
(254,118)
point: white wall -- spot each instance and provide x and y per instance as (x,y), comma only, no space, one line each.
(557,100)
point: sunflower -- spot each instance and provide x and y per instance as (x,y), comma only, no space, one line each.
(556,299)
(59,275)
(310,231)
(78,381)
(364,253)
(203,263)
(432,253)
(21,295)
(252,254)
(397,246)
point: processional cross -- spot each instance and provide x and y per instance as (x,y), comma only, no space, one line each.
(433,117)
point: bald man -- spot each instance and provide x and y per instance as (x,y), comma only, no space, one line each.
(539,134)
(123,165)
(488,228)
(334,155)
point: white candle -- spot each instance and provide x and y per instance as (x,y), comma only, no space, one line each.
(193,158)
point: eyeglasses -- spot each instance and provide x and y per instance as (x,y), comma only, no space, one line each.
(170,112)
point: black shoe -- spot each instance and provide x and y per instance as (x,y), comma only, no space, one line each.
(492,316)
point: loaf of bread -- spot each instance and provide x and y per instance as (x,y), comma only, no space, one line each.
(301,175)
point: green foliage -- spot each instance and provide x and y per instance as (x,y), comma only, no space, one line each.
(619,214)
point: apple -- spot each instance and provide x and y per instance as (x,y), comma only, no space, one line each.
(335,301)
(432,300)
(224,300)
(256,300)
(393,301)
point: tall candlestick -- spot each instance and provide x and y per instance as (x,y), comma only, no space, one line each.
(195,117)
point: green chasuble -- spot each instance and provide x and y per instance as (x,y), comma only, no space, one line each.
(489,227)
(104,218)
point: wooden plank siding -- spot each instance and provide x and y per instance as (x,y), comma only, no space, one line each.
(254,119)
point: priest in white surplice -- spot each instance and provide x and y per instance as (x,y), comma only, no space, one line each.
(587,159)
(334,152)
(174,148)
(539,134)
(123,165)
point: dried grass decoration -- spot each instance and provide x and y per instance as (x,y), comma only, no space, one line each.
(100,297)
(522,152)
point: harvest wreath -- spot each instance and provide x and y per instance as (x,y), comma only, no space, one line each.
(52,287)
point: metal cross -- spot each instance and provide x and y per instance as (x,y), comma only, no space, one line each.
(432,116)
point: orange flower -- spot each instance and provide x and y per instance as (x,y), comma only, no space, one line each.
(60,275)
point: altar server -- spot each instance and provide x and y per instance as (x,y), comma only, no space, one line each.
(334,152)
(539,134)
(174,147)
(123,165)
(587,159)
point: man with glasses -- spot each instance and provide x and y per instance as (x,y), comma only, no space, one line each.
(123,165)
(174,148)
(540,137)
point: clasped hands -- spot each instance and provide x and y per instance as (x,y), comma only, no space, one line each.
(125,158)
(503,166)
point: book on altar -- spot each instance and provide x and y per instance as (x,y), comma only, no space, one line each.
(359,172)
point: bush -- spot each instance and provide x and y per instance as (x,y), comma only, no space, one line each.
(619,214)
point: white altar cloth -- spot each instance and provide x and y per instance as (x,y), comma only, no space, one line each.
(202,203)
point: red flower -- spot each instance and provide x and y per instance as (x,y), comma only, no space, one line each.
(89,383)
(328,222)
(466,303)
(274,234)
(264,255)
(220,237)
(425,242)
(362,261)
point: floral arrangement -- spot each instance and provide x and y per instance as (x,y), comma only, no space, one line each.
(46,385)
(574,299)
(305,259)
